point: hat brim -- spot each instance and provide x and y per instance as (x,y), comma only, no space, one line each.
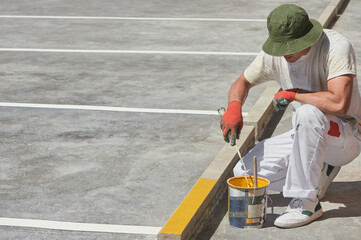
(293,46)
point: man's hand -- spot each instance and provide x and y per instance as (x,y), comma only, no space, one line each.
(232,122)
(283,98)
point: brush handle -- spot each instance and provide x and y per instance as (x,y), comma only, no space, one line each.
(255,171)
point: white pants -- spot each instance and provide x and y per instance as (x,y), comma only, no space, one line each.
(293,161)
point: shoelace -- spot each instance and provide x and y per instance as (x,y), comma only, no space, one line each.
(296,205)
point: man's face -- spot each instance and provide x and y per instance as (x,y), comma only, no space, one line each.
(294,57)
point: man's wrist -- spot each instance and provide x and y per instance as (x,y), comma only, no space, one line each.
(235,100)
(296,96)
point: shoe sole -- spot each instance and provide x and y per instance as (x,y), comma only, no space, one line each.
(313,217)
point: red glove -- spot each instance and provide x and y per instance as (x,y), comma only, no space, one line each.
(232,122)
(283,98)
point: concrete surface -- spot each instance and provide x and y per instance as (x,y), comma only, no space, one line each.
(112,168)
(342,213)
(117,168)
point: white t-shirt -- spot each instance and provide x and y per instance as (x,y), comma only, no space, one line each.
(330,57)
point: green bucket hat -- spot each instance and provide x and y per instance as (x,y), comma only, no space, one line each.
(290,31)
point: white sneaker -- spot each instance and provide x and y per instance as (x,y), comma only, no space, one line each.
(327,175)
(299,212)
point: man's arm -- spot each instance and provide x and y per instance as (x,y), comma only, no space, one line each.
(336,100)
(232,121)
(239,90)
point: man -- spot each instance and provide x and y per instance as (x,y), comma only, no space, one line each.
(316,69)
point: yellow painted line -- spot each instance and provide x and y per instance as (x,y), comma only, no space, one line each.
(186,210)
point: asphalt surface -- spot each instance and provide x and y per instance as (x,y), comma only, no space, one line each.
(122,168)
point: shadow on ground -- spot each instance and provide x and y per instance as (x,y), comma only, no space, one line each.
(342,200)
(345,196)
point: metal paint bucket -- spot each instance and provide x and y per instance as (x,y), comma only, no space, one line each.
(247,205)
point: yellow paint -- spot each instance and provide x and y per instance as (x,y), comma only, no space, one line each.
(241,183)
(186,210)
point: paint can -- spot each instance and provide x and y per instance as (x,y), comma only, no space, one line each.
(247,205)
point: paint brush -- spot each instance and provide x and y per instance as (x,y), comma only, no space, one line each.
(221,112)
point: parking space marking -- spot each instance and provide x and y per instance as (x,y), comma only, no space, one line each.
(125,51)
(109,109)
(84,227)
(110,228)
(135,18)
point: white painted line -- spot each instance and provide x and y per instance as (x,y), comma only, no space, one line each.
(110,109)
(86,227)
(135,18)
(125,51)
(104,108)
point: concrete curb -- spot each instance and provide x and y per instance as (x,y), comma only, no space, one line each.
(262,111)
(330,13)
(200,203)
(198,206)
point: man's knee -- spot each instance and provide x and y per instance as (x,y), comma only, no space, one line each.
(310,114)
